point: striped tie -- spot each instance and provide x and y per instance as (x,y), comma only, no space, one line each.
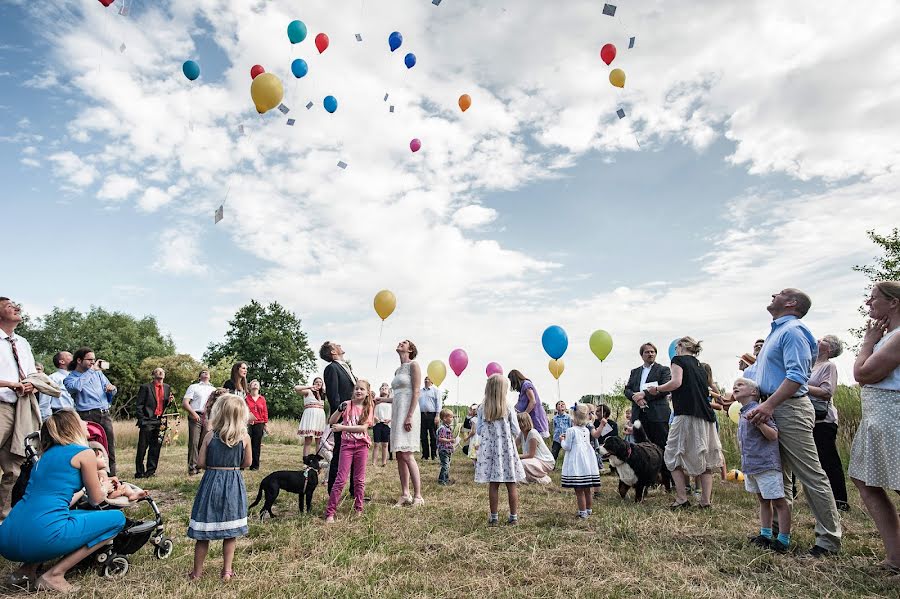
(12,342)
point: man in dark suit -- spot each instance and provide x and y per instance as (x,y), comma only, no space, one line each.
(339,382)
(652,410)
(151,404)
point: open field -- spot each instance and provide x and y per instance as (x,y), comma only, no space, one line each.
(444,549)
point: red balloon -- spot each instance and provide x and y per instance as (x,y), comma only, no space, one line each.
(321,42)
(608,53)
(106,3)
(256,71)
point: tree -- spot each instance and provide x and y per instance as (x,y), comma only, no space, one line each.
(183,370)
(120,339)
(272,343)
(886,267)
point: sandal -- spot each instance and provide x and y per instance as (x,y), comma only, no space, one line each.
(418,501)
(404,501)
(227,575)
(680,506)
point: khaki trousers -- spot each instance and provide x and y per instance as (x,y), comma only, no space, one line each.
(795,418)
(9,463)
(195,438)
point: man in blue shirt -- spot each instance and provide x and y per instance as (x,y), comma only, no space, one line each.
(782,370)
(92,393)
(430,407)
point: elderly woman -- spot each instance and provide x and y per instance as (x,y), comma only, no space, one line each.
(821,385)
(529,402)
(41,527)
(875,456)
(693,447)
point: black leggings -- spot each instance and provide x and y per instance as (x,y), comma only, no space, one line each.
(825,436)
(256,435)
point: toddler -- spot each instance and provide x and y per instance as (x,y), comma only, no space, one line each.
(561,422)
(111,485)
(761,463)
(580,471)
(445,442)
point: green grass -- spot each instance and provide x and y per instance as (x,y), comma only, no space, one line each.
(444,549)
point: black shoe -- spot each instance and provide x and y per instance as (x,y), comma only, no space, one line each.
(761,541)
(817,552)
(254,467)
(137,475)
(778,547)
(366,498)
(843,506)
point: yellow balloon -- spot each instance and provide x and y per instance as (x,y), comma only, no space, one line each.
(734,412)
(437,372)
(557,367)
(617,77)
(601,344)
(266,91)
(385,301)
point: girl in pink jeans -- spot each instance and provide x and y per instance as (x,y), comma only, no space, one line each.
(355,419)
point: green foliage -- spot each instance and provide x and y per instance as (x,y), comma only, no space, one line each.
(885,268)
(272,343)
(182,370)
(121,339)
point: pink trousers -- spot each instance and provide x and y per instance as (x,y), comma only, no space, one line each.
(355,453)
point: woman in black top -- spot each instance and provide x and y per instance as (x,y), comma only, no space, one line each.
(693,447)
(237,384)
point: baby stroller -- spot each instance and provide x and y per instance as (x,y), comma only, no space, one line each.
(112,560)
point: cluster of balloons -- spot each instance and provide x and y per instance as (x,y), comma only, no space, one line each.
(607,55)
(395,40)
(556,342)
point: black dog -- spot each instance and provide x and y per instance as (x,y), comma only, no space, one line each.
(302,482)
(639,465)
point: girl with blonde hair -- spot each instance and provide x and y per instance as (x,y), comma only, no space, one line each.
(498,461)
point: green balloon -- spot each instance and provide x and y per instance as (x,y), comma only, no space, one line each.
(601,344)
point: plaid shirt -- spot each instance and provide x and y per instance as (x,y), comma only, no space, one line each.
(445,438)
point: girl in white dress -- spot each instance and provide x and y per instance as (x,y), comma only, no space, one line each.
(406,423)
(312,421)
(580,471)
(498,461)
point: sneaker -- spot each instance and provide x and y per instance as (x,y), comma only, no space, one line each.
(761,541)
(778,547)
(512,520)
(493,521)
(817,552)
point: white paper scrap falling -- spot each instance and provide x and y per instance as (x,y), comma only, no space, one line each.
(392,108)
(290,122)
(358,37)
(342,164)
(284,109)
(609,10)
(621,113)
(310,105)
(220,213)
(122,48)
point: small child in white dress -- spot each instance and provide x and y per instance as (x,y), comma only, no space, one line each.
(580,471)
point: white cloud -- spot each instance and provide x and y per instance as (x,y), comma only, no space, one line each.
(70,167)
(45,80)
(30,162)
(179,253)
(474,216)
(117,187)
(153,199)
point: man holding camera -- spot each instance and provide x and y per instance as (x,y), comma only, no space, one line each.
(151,405)
(92,393)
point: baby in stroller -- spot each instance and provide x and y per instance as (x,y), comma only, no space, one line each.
(118,493)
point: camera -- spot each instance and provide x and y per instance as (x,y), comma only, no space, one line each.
(102,364)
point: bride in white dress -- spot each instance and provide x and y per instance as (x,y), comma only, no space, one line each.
(406,423)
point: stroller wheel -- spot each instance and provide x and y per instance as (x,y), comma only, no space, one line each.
(164,549)
(116,568)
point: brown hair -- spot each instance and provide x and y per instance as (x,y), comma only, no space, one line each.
(641,351)
(889,289)
(368,403)
(62,428)
(709,376)
(413,350)
(325,352)
(240,382)
(516,378)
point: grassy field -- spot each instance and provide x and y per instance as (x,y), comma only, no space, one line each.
(445,549)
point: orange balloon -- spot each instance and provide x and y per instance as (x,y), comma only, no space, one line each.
(465,101)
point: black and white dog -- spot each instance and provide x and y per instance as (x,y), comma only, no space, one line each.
(302,482)
(639,465)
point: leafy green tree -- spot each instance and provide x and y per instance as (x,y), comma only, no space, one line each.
(272,342)
(182,370)
(121,339)
(885,268)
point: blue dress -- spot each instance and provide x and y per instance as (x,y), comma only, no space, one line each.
(41,527)
(220,507)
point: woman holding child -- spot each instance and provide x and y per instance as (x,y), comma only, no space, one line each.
(875,456)
(693,447)
(41,527)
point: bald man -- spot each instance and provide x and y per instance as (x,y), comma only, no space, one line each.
(151,404)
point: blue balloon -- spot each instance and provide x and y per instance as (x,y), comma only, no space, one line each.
(395,40)
(296,31)
(555,342)
(672,347)
(410,60)
(299,68)
(190,69)
(330,103)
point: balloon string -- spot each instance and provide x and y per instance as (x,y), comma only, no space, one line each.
(378,354)
(249,141)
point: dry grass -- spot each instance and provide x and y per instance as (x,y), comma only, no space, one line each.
(445,549)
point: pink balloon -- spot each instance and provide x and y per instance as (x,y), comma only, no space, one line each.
(493,368)
(459,359)
(415,145)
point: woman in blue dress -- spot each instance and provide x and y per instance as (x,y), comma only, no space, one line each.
(41,527)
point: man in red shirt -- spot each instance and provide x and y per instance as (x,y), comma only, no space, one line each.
(151,404)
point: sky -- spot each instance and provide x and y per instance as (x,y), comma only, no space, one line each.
(759,145)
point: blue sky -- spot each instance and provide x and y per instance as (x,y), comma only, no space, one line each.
(756,171)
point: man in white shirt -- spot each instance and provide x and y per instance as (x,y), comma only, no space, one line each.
(430,407)
(49,404)
(195,403)
(16,362)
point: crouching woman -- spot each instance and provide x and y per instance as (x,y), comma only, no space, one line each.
(41,527)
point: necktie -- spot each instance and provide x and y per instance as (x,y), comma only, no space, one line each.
(12,342)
